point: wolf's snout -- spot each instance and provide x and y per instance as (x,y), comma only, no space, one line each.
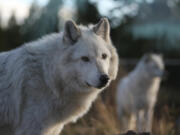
(103,80)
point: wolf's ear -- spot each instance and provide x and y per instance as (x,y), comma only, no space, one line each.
(114,64)
(71,32)
(103,29)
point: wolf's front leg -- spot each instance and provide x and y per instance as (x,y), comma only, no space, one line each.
(123,120)
(132,121)
(149,120)
(140,121)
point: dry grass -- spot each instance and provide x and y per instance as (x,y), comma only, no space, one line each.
(164,123)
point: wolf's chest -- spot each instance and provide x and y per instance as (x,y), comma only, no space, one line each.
(64,115)
(77,110)
(74,108)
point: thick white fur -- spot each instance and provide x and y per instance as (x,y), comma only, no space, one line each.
(42,83)
(137,93)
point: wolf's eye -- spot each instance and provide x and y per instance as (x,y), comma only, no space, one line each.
(104,56)
(85,59)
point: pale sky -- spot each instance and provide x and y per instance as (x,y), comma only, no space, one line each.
(20,7)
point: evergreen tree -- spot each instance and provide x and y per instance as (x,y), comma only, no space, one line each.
(0,20)
(87,12)
(12,21)
(11,34)
(41,21)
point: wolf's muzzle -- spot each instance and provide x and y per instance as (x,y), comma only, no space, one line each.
(103,80)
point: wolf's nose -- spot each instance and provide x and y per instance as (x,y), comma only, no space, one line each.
(104,79)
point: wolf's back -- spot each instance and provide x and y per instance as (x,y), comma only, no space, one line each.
(10,89)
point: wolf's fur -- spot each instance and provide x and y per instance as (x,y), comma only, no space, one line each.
(137,93)
(43,84)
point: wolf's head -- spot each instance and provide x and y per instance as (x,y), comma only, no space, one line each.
(90,59)
(153,64)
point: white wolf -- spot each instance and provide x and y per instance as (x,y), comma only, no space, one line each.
(50,82)
(137,93)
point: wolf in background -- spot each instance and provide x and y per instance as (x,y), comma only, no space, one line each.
(53,81)
(137,94)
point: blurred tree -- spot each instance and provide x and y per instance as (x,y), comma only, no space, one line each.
(41,21)
(0,20)
(1,33)
(12,34)
(27,29)
(87,12)
(154,27)
(12,21)
(124,41)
